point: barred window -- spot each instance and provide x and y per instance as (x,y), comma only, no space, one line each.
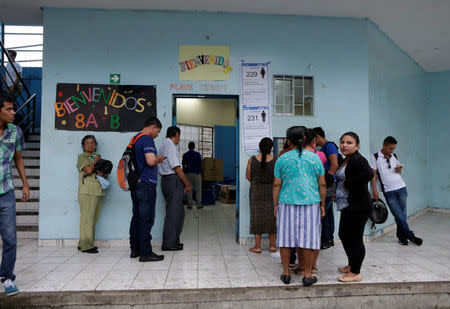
(203,137)
(293,95)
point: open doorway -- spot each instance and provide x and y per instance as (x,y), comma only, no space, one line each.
(212,123)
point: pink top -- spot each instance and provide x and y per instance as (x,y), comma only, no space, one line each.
(321,155)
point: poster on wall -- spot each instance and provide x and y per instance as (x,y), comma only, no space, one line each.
(256,125)
(204,62)
(255,106)
(255,84)
(96,107)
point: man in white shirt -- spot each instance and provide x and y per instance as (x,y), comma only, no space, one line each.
(11,77)
(387,170)
(173,184)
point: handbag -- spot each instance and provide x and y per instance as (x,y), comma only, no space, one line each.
(378,212)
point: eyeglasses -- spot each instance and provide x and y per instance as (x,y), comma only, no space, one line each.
(388,161)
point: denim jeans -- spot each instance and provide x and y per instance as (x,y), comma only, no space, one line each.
(396,201)
(328,221)
(8,232)
(144,199)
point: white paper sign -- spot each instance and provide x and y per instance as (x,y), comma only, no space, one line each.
(256,123)
(256,126)
(255,84)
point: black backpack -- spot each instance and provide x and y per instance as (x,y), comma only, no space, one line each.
(378,212)
(329,178)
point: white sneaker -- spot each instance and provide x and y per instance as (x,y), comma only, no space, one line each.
(10,288)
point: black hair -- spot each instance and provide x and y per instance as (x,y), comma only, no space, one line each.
(86,138)
(319,131)
(310,135)
(285,145)
(296,135)
(191,145)
(172,131)
(12,52)
(390,141)
(265,146)
(5,98)
(153,121)
(351,134)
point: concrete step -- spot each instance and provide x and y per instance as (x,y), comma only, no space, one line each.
(33,183)
(31,154)
(27,220)
(32,145)
(28,172)
(34,194)
(34,138)
(28,234)
(390,295)
(27,206)
(30,163)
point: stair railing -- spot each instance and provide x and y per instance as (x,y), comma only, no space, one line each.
(25,111)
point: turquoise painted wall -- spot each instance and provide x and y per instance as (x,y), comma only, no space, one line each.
(439,110)
(398,106)
(85,46)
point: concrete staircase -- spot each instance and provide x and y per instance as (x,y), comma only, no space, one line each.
(27,217)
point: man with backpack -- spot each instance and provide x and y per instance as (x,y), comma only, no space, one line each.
(143,194)
(331,152)
(387,170)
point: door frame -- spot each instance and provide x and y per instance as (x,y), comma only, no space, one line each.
(176,96)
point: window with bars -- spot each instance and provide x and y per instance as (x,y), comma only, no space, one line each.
(278,145)
(293,95)
(203,137)
(27,41)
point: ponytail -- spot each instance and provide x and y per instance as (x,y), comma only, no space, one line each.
(296,135)
(265,146)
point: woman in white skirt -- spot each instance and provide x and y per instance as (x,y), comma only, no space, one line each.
(299,198)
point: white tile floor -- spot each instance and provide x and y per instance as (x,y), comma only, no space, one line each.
(212,259)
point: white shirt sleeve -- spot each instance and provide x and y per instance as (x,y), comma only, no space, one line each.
(373,162)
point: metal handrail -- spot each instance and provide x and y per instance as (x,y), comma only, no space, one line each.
(15,70)
(26,102)
(29,104)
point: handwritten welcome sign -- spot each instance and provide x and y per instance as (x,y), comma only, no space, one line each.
(87,107)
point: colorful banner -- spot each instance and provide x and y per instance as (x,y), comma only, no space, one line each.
(88,107)
(204,62)
(256,123)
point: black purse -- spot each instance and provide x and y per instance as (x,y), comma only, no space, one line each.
(104,166)
(378,212)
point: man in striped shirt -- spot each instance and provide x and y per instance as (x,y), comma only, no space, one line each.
(12,143)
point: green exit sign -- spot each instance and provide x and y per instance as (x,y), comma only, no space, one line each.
(114,79)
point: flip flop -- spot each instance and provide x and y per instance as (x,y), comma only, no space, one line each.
(254,250)
(273,249)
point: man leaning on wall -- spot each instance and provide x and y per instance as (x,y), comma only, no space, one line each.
(388,169)
(12,144)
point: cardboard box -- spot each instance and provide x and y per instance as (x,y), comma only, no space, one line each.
(212,169)
(227,194)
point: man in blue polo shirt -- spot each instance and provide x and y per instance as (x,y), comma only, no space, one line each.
(144,194)
(192,162)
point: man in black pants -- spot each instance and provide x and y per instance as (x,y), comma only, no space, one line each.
(173,184)
(144,194)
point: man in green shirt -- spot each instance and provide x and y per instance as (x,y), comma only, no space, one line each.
(12,144)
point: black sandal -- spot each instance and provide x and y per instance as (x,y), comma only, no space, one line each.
(286,279)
